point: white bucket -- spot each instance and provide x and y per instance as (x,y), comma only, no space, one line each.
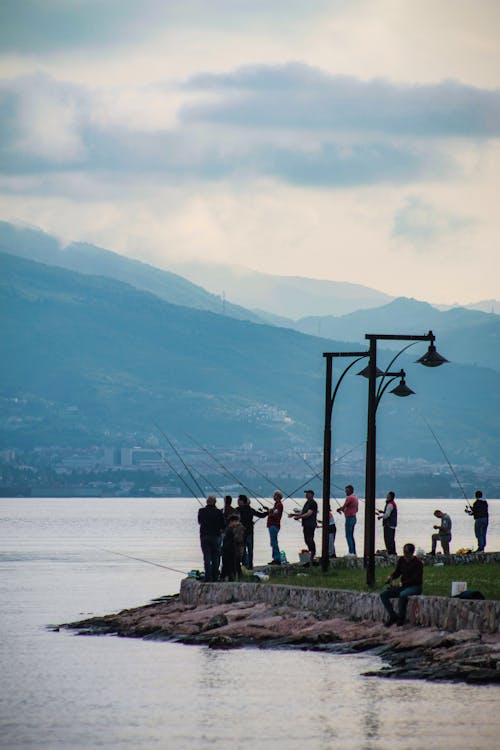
(457,587)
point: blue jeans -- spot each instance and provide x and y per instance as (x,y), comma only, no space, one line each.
(480,527)
(273,538)
(248,552)
(396,592)
(211,548)
(350,523)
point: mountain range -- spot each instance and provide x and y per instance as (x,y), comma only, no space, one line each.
(94,360)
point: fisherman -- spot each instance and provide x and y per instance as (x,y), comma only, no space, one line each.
(232,548)
(332,533)
(443,534)
(229,510)
(411,571)
(274,525)
(479,511)
(389,517)
(350,509)
(212,524)
(309,516)
(246,514)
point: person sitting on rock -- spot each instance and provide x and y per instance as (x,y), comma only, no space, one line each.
(411,571)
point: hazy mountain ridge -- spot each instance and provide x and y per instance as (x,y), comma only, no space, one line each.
(90,360)
(284,296)
(85,258)
(467,336)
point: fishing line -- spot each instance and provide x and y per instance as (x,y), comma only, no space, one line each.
(228,471)
(179,476)
(140,559)
(200,490)
(447,459)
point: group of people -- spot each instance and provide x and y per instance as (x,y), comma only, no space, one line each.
(227,536)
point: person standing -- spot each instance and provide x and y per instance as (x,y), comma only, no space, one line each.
(479,511)
(229,510)
(309,517)
(350,509)
(389,518)
(232,549)
(411,571)
(332,533)
(443,534)
(274,525)
(246,514)
(212,524)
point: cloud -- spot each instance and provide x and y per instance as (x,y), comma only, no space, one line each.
(291,122)
(32,26)
(299,96)
(422,224)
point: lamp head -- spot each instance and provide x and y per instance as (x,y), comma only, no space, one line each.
(365,372)
(431,358)
(402,389)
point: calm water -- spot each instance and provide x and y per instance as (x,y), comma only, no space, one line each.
(59,690)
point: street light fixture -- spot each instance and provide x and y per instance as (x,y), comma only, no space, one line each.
(430,359)
(327,442)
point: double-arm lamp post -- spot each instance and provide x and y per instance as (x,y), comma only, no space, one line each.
(430,359)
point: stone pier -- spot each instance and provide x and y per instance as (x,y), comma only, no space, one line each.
(442,612)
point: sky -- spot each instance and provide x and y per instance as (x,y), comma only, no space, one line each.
(353,140)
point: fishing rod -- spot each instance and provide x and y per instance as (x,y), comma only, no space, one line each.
(447,460)
(260,473)
(228,472)
(181,459)
(140,559)
(320,473)
(179,476)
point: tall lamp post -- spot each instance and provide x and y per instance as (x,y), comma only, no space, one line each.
(430,359)
(327,442)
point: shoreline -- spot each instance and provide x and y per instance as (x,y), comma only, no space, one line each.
(407,652)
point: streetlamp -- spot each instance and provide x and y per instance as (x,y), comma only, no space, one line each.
(430,359)
(327,442)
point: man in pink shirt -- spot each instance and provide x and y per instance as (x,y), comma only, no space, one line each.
(349,509)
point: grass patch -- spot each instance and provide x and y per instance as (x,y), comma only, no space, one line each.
(484,577)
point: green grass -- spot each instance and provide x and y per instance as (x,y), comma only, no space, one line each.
(437,580)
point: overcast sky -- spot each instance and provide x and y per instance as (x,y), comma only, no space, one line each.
(354,140)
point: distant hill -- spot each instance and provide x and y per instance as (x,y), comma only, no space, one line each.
(467,336)
(85,258)
(92,361)
(285,296)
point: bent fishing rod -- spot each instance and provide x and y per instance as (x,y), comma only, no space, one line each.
(228,471)
(447,460)
(200,489)
(179,476)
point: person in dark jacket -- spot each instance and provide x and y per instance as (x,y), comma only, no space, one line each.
(232,549)
(411,572)
(247,514)
(389,518)
(479,511)
(309,517)
(212,524)
(229,509)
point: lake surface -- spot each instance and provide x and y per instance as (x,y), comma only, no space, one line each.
(62,560)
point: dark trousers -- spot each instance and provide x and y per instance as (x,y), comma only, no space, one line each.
(248,552)
(445,540)
(210,546)
(308,532)
(390,540)
(396,592)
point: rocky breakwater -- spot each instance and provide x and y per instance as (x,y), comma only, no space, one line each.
(429,653)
